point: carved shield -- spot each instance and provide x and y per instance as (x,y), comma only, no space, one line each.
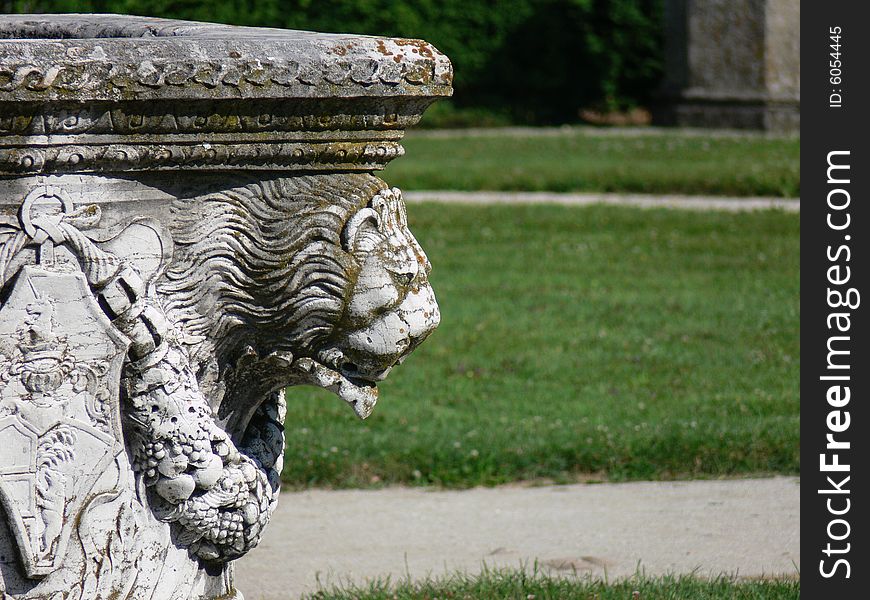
(60,425)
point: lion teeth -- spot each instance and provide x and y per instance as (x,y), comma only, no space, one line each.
(331,357)
(361,396)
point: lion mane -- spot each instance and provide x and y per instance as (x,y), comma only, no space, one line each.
(260,263)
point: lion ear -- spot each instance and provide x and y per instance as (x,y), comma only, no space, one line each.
(355,224)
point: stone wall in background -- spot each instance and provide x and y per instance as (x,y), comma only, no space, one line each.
(731,63)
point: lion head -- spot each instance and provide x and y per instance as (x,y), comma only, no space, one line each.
(311,279)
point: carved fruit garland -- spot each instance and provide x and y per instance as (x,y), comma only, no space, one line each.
(220,497)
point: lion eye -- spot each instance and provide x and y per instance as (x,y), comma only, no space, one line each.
(404,279)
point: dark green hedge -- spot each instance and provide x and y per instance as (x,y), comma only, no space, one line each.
(534,61)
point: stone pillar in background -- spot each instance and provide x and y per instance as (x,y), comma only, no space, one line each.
(189,223)
(731,63)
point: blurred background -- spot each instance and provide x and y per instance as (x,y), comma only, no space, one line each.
(603,342)
(544,62)
(578,343)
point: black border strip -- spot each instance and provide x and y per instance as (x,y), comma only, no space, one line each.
(834,260)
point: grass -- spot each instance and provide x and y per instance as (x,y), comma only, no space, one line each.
(519,585)
(661,163)
(599,342)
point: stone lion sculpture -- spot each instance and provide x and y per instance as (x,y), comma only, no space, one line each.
(260,284)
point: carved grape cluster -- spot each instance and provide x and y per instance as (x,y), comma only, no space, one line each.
(220,497)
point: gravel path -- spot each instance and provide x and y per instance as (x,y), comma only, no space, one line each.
(747,526)
(584,199)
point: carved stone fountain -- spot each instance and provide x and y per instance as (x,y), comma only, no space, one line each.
(189,223)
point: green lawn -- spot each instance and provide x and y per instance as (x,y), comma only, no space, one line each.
(517,585)
(601,342)
(661,163)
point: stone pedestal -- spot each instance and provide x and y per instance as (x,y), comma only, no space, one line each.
(731,63)
(189,223)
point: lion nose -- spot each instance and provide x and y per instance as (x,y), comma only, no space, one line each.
(371,352)
(421,313)
(420,323)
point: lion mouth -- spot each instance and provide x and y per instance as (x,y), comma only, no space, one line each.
(360,393)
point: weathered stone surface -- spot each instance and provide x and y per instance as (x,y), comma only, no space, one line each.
(114,93)
(189,223)
(732,63)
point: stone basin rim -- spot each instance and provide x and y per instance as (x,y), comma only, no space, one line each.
(118,58)
(114,93)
